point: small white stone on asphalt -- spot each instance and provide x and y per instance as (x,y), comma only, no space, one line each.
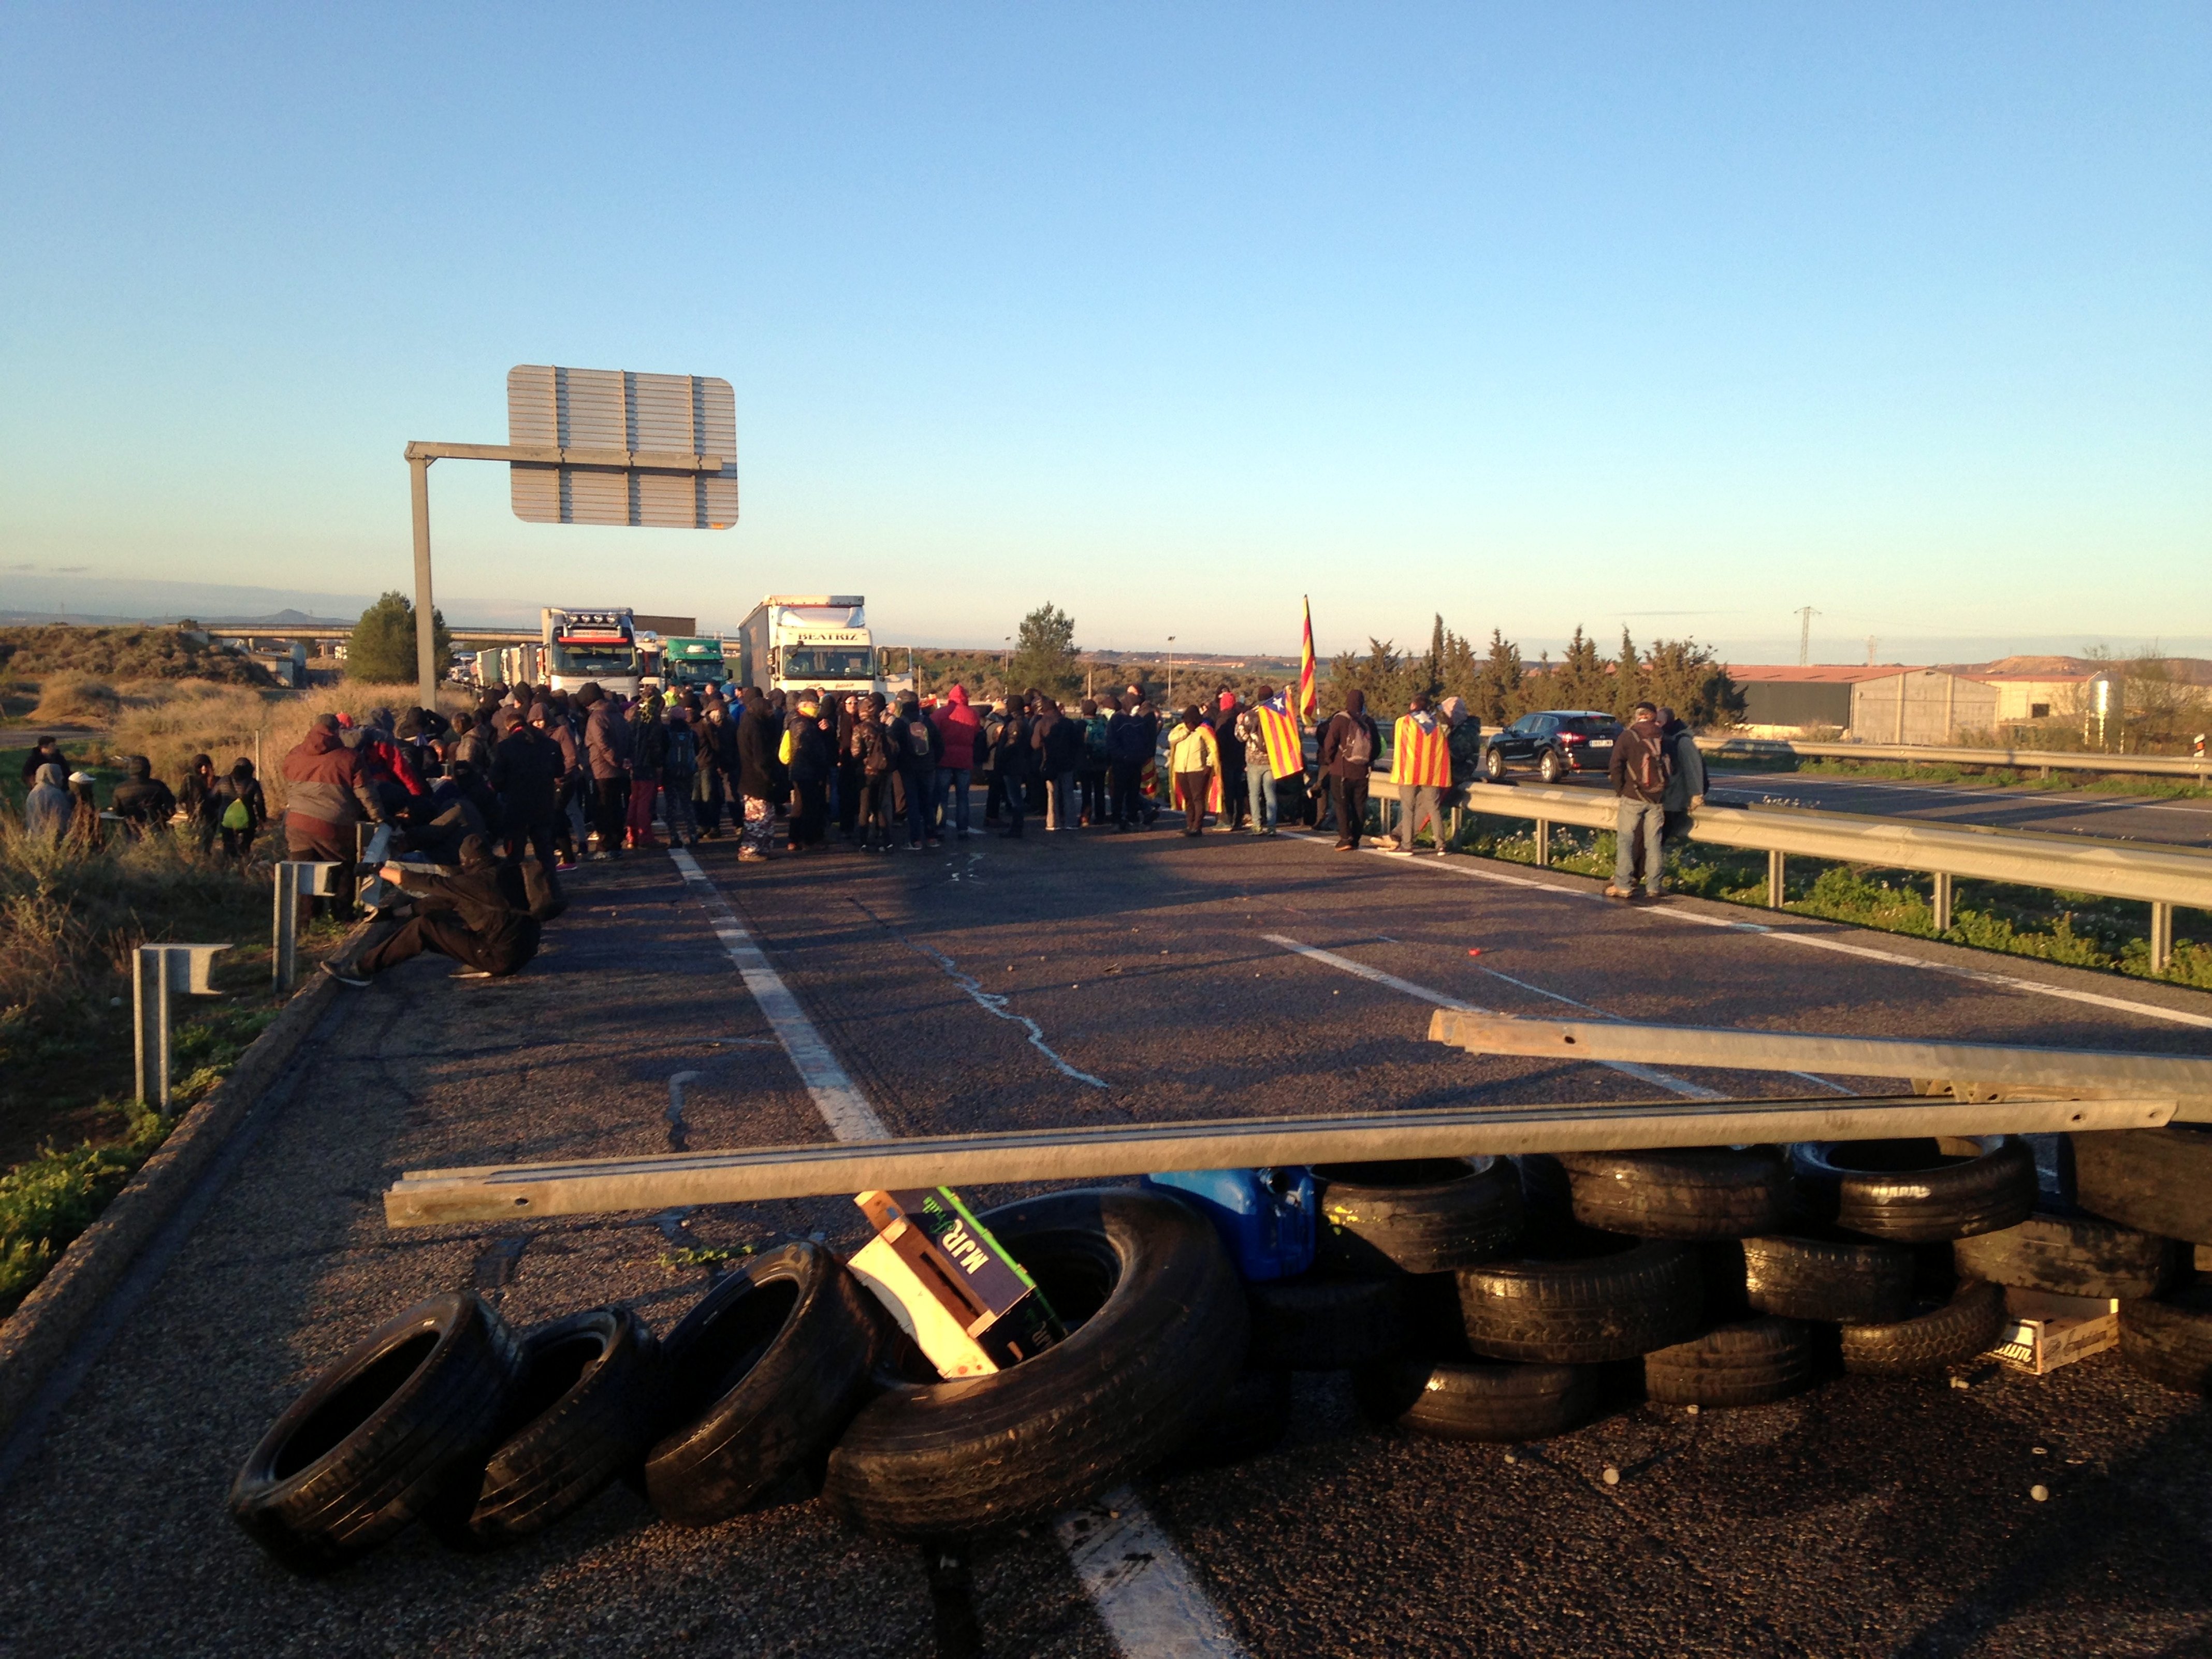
(1692,1409)
(1959,1382)
(1613,1477)
(2039,1493)
(1511,1458)
(2038,1451)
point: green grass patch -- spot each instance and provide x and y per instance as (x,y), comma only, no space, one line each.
(2004,777)
(49,1199)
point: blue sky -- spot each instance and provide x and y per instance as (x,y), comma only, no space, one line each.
(1685,316)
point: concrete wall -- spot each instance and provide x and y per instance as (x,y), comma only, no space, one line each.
(1921,705)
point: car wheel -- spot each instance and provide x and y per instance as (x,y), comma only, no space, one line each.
(1548,767)
(1493,764)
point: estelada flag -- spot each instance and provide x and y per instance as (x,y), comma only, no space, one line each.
(1308,704)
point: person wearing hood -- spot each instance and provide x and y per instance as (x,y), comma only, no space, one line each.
(1640,771)
(1222,717)
(195,798)
(1462,740)
(606,757)
(648,734)
(760,734)
(919,747)
(679,775)
(48,808)
(326,796)
(716,734)
(1193,757)
(141,800)
(959,732)
(1131,731)
(1347,758)
(809,760)
(526,775)
(241,810)
(868,747)
(1013,762)
(479,916)
(1420,765)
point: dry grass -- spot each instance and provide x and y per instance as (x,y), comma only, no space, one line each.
(134,653)
(75,699)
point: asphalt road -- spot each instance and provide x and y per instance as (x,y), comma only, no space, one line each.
(1869,1518)
(2186,822)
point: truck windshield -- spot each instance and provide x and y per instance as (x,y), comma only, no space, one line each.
(695,670)
(810,664)
(616,662)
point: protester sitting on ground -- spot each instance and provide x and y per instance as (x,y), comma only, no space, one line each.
(1639,772)
(48,808)
(241,810)
(46,752)
(84,829)
(1464,739)
(1194,762)
(141,800)
(479,916)
(327,796)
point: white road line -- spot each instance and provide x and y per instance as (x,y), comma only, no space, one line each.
(1142,1588)
(840,1103)
(1460,867)
(1149,1598)
(1658,1079)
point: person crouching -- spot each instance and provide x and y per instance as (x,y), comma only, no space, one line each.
(480,917)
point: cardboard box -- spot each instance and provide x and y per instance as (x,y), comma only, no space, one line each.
(951,1259)
(2043,1331)
(919,1315)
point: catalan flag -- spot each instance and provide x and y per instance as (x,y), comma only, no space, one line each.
(1308,704)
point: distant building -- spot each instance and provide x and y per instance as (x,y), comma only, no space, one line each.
(1897,702)
(1792,701)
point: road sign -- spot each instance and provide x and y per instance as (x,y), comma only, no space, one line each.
(613,440)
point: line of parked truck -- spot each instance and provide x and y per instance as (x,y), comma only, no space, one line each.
(788,642)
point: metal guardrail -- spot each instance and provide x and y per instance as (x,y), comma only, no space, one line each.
(2199,768)
(2163,877)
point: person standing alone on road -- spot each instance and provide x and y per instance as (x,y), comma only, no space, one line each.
(1639,772)
(1420,765)
(1347,758)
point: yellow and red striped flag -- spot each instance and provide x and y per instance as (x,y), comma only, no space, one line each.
(1309,700)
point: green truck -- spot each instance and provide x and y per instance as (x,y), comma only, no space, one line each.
(691,662)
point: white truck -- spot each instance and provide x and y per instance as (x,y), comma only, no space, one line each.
(598,646)
(794,640)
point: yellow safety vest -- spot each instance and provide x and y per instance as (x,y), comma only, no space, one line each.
(1286,754)
(1418,757)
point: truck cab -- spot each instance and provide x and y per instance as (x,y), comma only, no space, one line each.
(596,646)
(792,641)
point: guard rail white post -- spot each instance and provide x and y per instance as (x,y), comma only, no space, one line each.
(158,972)
(296,880)
(1543,843)
(2161,937)
(1775,875)
(1942,902)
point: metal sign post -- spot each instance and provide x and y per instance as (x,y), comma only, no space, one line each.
(160,970)
(593,445)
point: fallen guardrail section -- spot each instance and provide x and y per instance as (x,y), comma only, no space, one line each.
(2165,877)
(2199,768)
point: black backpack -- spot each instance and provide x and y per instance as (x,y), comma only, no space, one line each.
(1358,748)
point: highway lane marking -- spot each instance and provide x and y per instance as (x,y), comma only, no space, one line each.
(836,1096)
(989,1001)
(1659,1079)
(1455,866)
(1147,1595)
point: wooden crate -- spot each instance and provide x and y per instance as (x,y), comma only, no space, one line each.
(2043,1331)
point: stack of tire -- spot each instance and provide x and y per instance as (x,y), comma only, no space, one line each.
(787,1377)
(2141,1215)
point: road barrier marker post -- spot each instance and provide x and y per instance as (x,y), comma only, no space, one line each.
(1943,894)
(296,879)
(2161,937)
(1543,843)
(159,971)
(1776,886)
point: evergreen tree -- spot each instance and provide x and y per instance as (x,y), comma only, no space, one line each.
(1683,675)
(1045,657)
(1497,690)
(382,649)
(1582,680)
(1627,678)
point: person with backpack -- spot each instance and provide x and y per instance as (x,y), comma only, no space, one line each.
(679,775)
(1096,760)
(1014,762)
(919,747)
(867,745)
(1130,734)
(1348,759)
(1639,772)
(240,810)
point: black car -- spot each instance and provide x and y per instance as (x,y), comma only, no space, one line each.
(1557,742)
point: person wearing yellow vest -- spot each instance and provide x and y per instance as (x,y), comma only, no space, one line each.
(1420,764)
(1194,754)
(1273,748)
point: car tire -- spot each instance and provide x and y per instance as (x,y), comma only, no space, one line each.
(1548,767)
(1695,1192)
(1493,764)
(380,1438)
(1156,1327)
(1834,1280)
(1478,1400)
(2156,1181)
(1949,1333)
(1416,1215)
(1611,1298)
(583,1409)
(2169,1339)
(1329,1322)
(2071,1256)
(1752,1362)
(762,1376)
(1911,1192)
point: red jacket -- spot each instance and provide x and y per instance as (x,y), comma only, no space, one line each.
(962,730)
(325,784)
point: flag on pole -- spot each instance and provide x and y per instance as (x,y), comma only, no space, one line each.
(1309,701)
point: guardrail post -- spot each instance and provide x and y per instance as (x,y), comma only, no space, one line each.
(1543,843)
(158,971)
(1942,902)
(1774,878)
(296,880)
(2161,937)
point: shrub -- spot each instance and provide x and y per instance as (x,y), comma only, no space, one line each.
(74,698)
(121,654)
